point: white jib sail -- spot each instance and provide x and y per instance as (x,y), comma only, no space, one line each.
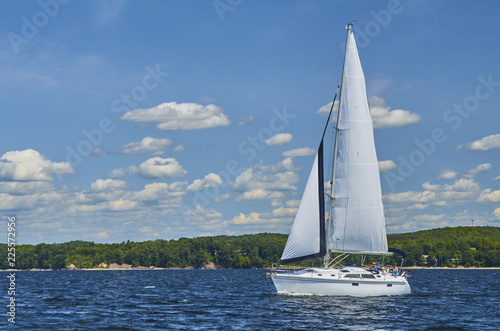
(304,238)
(358,212)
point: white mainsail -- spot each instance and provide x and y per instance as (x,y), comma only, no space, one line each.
(358,212)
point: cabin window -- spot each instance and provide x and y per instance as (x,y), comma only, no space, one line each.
(352,276)
(368,276)
(355,284)
(389,285)
(320,274)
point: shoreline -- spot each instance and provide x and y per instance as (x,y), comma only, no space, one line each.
(192,268)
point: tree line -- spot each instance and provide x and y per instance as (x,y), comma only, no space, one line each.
(458,246)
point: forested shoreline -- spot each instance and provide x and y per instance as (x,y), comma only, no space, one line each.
(442,247)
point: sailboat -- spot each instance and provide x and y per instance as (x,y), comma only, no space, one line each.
(355,223)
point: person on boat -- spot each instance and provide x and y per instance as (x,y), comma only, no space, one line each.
(384,271)
(395,270)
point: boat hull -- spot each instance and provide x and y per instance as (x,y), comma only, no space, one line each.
(334,284)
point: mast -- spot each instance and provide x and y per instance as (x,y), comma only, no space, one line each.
(331,220)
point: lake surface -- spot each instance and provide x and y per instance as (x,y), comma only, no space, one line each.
(242,300)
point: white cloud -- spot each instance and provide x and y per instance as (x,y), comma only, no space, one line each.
(447,174)
(210,180)
(247,120)
(497,213)
(284,212)
(386,165)
(101,185)
(255,178)
(484,144)
(180,116)
(117,173)
(260,194)
(201,214)
(489,195)
(222,197)
(158,167)
(121,205)
(292,203)
(418,206)
(410,197)
(147,145)
(279,139)
(304,151)
(428,186)
(383,117)
(30,165)
(107,11)
(252,218)
(497,177)
(159,191)
(24,188)
(426,218)
(480,168)
(179,148)
(464,185)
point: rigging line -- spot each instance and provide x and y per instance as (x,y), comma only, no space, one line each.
(331,110)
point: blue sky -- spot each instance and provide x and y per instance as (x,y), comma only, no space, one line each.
(165,119)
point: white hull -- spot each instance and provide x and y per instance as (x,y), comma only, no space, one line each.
(338,282)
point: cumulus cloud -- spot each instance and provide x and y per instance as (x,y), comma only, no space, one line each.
(252,218)
(158,167)
(210,180)
(265,178)
(247,120)
(410,197)
(447,174)
(117,173)
(284,212)
(260,194)
(157,191)
(480,168)
(101,185)
(279,139)
(121,205)
(30,165)
(304,151)
(429,218)
(383,117)
(497,213)
(484,144)
(386,165)
(179,148)
(489,196)
(147,145)
(200,214)
(180,116)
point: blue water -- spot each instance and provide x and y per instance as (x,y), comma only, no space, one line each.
(242,300)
